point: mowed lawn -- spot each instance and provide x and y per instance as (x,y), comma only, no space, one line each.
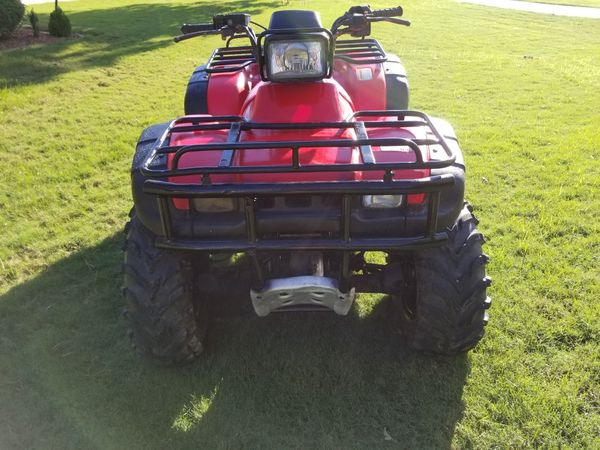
(523,92)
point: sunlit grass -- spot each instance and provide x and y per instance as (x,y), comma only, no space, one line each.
(193,411)
(522,91)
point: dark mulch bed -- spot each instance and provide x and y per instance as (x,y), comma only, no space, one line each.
(23,37)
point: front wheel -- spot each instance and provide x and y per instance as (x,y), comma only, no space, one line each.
(443,306)
(167,321)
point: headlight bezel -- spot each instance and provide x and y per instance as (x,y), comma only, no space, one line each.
(320,36)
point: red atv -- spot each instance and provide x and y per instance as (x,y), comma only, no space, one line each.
(297,155)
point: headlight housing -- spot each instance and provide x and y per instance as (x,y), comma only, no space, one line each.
(215,205)
(296,57)
(382,201)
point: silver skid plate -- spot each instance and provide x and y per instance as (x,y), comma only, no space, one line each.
(306,290)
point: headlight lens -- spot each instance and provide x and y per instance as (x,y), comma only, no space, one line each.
(382,201)
(290,60)
(215,205)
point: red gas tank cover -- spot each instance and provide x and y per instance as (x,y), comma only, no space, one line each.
(324,101)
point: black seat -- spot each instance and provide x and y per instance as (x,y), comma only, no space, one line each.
(295,19)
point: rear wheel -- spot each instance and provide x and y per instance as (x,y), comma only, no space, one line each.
(167,321)
(443,306)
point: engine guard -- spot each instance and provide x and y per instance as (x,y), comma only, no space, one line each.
(304,290)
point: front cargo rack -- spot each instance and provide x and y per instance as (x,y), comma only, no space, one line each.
(360,51)
(156,171)
(230,59)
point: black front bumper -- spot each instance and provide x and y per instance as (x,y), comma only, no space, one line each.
(346,226)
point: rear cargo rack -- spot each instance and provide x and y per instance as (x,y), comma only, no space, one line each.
(156,170)
(230,59)
(360,51)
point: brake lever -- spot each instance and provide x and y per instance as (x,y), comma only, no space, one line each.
(184,37)
(406,23)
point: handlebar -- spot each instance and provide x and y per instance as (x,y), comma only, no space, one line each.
(357,20)
(194,34)
(192,30)
(188,28)
(388,12)
(227,25)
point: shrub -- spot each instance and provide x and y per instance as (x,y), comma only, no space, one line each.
(34,20)
(59,24)
(11,14)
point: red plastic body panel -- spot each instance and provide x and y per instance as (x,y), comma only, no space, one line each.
(364,83)
(321,101)
(283,157)
(353,87)
(364,87)
(210,158)
(227,91)
(234,84)
(394,154)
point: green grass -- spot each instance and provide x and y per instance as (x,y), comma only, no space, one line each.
(522,91)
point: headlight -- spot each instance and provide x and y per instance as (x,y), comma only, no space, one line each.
(215,205)
(296,59)
(382,201)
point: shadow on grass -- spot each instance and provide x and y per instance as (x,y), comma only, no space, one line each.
(70,378)
(109,34)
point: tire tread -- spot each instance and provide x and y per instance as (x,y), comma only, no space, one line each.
(451,298)
(159,295)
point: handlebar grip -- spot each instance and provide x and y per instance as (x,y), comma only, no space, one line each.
(388,12)
(187,28)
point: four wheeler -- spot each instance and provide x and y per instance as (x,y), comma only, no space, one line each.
(297,154)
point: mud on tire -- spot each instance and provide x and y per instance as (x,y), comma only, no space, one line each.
(166,322)
(444,311)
